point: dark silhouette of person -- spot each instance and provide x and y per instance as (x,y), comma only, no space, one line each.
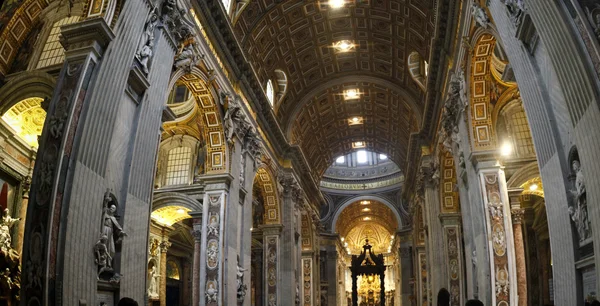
(595,303)
(474,303)
(443,298)
(127,302)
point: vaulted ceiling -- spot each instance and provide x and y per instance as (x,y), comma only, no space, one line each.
(297,37)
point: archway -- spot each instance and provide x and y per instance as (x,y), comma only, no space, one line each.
(265,242)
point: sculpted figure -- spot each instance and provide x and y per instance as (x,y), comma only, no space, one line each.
(153,288)
(6,223)
(480,15)
(145,52)
(578,211)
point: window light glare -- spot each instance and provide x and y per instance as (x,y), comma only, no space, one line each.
(367,218)
(365,202)
(533,187)
(351,94)
(337,3)
(361,156)
(340,160)
(366,209)
(382,156)
(181,211)
(506,149)
(355,119)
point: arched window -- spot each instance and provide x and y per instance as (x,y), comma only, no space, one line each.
(53,52)
(270,92)
(179,166)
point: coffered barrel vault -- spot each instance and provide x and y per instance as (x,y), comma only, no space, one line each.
(298,37)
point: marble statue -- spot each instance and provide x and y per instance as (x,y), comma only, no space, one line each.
(187,58)
(102,258)
(232,119)
(153,288)
(5,224)
(241,287)
(480,15)
(105,247)
(200,157)
(578,210)
(10,284)
(145,52)
(110,227)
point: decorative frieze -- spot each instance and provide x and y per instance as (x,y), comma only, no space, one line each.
(501,244)
(453,243)
(213,251)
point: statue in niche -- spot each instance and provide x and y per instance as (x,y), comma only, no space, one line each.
(578,210)
(480,15)
(241,287)
(258,214)
(153,288)
(105,247)
(200,157)
(10,277)
(145,52)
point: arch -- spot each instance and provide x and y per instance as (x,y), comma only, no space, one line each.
(270,192)
(479,78)
(410,100)
(26,85)
(210,119)
(165,199)
(417,68)
(23,19)
(366,197)
(523,175)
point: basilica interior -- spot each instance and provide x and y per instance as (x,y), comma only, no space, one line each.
(299,152)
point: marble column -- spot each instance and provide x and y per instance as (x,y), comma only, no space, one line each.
(272,267)
(197,234)
(164,248)
(517,220)
(500,232)
(22,214)
(292,197)
(406,268)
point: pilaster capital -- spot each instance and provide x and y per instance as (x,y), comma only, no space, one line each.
(271,229)
(164,246)
(90,33)
(517,215)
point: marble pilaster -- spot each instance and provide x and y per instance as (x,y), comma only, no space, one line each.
(406,268)
(517,214)
(162,291)
(211,260)
(271,264)
(500,232)
(197,234)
